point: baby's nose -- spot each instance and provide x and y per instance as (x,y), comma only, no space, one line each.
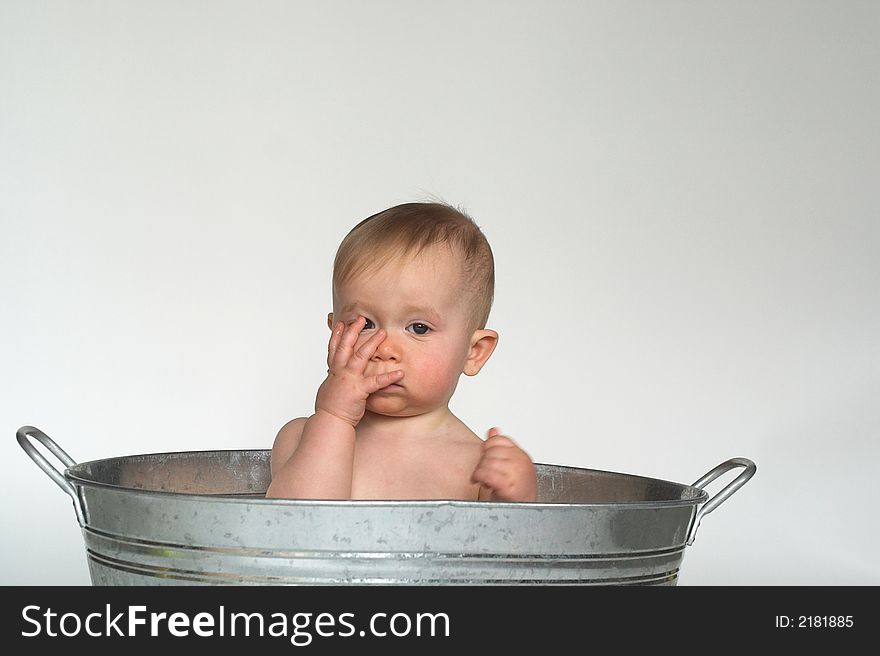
(389,349)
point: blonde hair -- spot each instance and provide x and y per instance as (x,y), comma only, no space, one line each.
(406,230)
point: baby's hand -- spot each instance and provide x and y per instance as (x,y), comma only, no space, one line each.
(505,470)
(344,393)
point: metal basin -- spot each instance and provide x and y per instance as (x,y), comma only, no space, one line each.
(200,517)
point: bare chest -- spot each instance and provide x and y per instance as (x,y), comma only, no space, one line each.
(414,473)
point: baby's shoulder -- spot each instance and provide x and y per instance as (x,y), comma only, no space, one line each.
(467,444)
(294,425)
(292,430)
(286,441)
(463,433)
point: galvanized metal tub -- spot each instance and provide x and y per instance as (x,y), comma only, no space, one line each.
(187,518)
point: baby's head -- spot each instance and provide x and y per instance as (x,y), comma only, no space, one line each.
(404,232)
(424,273)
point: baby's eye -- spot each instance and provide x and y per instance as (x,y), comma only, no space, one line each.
(368,324)
(419,328)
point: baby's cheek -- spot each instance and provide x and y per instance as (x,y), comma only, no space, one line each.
(437,372)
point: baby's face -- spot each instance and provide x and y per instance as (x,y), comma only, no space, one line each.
(425,314)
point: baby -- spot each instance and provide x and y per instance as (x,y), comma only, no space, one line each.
(412,290)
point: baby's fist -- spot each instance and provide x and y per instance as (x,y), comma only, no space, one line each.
(505,471)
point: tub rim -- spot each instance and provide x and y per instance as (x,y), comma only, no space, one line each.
(71,474)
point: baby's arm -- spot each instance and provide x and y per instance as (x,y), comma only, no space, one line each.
(319,463)
(505,472)
(312,459)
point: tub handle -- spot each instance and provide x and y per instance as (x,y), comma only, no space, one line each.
(22,435)
(721,497)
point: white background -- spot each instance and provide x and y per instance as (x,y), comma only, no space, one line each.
(681,198)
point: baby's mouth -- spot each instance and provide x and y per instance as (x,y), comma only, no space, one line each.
(390,388)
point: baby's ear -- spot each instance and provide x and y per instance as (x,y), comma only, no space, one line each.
(483,342)
(330,321)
